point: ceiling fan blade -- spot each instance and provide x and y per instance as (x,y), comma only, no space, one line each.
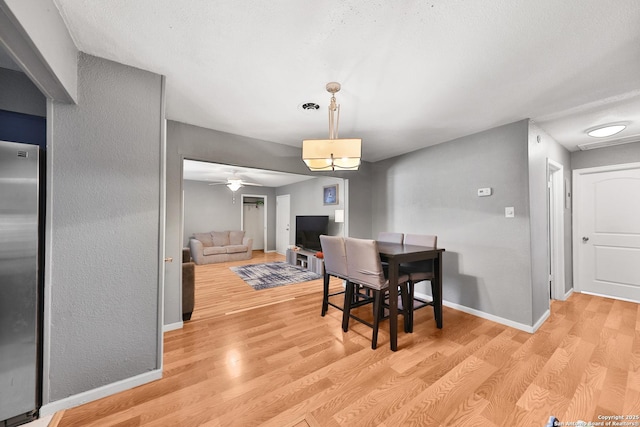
(255,184)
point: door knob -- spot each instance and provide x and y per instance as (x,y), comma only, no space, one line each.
(585,239)
(168,259)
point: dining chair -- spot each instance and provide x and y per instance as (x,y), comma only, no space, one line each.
(365,269)
(335,264)
(420,270)
(390,237)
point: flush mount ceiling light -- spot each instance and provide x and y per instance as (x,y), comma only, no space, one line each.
(606,130)
(333,153)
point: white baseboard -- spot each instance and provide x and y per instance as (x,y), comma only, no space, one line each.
(172,326)
(609,296)
(100,392)
(491,317)
(568,294)
(540,321)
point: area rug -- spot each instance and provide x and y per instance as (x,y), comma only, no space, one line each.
(273,274)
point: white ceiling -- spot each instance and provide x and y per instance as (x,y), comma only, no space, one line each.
(413,73)
(213,172)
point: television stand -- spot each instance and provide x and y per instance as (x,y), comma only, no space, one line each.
(306,259)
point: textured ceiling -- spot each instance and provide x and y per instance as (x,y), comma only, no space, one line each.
(217,173)
(413,73)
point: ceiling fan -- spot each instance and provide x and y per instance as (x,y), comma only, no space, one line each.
(235,181)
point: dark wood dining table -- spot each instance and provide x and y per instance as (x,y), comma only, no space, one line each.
(395,254)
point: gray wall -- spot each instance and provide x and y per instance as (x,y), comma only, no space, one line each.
(359,202)
(18,94)
(212,208)
(616,155)
(208,208)
(103,218)
(306,199)
(197,143)
(541,149)
(487,263)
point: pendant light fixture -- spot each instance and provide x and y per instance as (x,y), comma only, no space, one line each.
(333,153)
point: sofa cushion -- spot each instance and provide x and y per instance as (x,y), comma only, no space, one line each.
(205,238)
(214,250)
(235,237)
(220,238)
(234,249)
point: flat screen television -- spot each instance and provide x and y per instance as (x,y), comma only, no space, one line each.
(308,231)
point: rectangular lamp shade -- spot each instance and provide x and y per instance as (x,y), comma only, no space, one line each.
(332,154)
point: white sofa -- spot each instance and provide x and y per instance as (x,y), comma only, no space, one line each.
(220,246)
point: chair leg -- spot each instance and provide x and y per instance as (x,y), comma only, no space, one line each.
(377,314)
(346,311)
(407,306)
(411,287)
(433,296)
(356,293)
(325,295)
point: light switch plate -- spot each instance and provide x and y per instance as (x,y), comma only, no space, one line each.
(509,212)
(483,192)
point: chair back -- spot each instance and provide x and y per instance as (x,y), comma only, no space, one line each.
(421,240)
(387,236)
(363,263)
(420,270)
(335,256)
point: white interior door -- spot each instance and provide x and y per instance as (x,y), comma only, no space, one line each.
(283,223)
(607,231)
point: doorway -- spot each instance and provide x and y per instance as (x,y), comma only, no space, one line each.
(253,218)
(555,195)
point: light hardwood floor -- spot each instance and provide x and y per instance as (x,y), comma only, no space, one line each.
(267,357)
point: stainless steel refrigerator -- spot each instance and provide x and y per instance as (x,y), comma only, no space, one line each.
(19,282)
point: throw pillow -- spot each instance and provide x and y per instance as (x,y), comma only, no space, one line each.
(235,237)
(220,238)
(205,238)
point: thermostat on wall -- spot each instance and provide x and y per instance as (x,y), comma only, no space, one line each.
(483,192)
